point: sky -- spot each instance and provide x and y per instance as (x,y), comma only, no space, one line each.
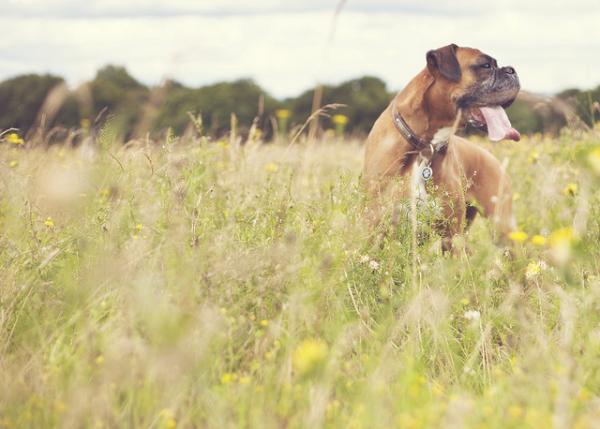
(288,47)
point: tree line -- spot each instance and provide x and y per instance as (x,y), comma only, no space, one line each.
(31,101)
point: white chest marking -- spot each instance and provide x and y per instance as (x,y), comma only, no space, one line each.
(441,137)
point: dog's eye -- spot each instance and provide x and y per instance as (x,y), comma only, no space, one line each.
(486,66)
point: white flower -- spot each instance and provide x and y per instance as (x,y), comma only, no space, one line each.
(472,315)
(374,265)
(364,259)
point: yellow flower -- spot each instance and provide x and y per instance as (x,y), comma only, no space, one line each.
(49,222)
(309,355)
(594,160)
(228,378)
(561,236)
(13,163)
(168,418)
(533,157)
(100,360)
(518,236)
(14,138)
(264,323)
(561,242)
(139,227)
(283,114)
(340,119)
(271,167)
(571,190)
(533,270)
(515,411)
(538,240)
(60,407)
(584,394)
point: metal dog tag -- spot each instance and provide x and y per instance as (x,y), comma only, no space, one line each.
(427,173)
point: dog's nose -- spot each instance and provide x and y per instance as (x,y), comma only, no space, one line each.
(508,70)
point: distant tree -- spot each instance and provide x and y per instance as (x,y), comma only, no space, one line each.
(136,109)
(116,90)
(22,97)
(215,103)
(365,99)
(583,102)
(524,118)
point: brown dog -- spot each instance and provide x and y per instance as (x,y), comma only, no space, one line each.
(412,149)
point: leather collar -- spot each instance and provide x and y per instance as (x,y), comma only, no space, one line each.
(405,130)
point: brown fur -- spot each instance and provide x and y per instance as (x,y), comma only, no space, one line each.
(465,174)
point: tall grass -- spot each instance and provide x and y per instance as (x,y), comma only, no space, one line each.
(197,284)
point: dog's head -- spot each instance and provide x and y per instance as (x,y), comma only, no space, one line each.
(471,81)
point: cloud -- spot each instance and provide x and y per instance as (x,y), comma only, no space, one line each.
(160,8)
(286,51)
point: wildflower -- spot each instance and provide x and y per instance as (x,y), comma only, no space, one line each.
(13,163)
(271,167)
(340,122)
(518,236)
(533,157)
(515,411)
(99,360)
(364,259)
(560,236)
(340,119)
(282,114)
(374,265)
(464,301)
(60,407)
(49,222)
(534,268)
(538,240)
(561,241)
(594,160)
(472,315)
(13,138)
(139,227)
(309,355)
(584,394)
(571,190)
(228,378)
(168,418)
(264,323)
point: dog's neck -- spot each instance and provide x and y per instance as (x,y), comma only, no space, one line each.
(431,122)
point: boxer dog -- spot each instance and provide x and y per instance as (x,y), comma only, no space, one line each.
(412,149)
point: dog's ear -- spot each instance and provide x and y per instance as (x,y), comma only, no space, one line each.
(443,61)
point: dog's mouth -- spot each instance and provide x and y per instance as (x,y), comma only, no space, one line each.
(495,120)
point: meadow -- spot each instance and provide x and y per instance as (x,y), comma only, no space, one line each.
(192,283)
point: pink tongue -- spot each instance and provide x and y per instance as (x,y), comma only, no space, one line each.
(498,124)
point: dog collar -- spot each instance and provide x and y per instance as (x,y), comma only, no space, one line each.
(405,130)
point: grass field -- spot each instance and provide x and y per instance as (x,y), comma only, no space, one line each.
(197,284)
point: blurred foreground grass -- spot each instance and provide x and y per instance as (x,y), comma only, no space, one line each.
(204,285)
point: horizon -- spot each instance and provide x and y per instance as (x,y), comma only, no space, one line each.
(287,49)
(151,85)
